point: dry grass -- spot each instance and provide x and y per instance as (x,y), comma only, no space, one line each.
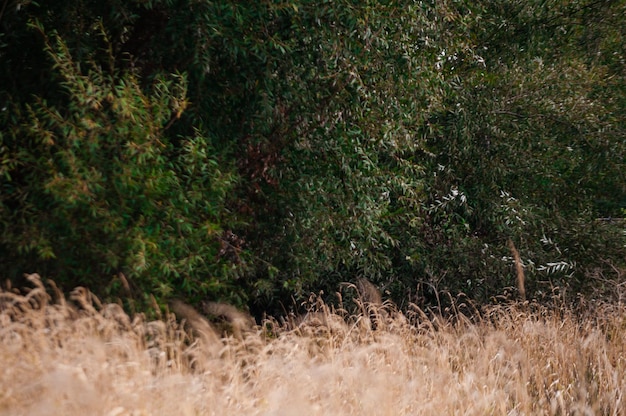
(92,359)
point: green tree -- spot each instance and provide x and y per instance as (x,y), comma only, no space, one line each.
(252,152)
(531,147)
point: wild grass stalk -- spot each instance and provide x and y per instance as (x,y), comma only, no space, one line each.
(77,357)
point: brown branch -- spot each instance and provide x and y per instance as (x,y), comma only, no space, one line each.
(519,269)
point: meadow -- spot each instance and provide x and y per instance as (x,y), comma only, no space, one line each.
(77,356)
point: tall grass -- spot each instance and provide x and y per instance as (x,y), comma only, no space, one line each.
(79,357)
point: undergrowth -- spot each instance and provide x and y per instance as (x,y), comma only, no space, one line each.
(77,356)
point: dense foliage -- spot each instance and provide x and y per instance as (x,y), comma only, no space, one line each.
(255,151)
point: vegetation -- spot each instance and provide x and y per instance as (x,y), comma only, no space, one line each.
(256,152)
(516,359)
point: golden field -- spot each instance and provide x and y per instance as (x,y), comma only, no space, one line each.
(80,357)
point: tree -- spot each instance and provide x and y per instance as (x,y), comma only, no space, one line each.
(251,152)
(531,148)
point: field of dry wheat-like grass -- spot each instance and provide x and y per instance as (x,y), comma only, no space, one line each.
(79,357)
